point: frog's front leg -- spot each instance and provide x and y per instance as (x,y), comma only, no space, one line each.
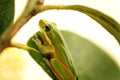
(60,70)
(44,48)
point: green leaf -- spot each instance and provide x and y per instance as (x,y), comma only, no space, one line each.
(91,63)
(6,14)
(39,57)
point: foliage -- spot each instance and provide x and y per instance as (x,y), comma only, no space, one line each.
(91,63)
(6,14)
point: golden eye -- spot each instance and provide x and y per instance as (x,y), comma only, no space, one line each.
(47,28)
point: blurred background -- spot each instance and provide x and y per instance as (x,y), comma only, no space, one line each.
(66,20)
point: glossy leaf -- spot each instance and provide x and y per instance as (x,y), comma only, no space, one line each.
(6,14)
(91,63)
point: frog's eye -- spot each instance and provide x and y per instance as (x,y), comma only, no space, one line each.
(47,28)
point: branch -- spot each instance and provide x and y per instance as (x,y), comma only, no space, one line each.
(30,10)
(107,22)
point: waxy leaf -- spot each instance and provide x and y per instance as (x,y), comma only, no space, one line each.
(91,63)
(6,14)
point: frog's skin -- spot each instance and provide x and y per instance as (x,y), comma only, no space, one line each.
(57,55)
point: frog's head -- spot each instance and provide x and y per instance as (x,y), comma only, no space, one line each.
(48,30)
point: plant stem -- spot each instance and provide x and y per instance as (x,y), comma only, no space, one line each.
(28,13)
(107,22)
(22,46)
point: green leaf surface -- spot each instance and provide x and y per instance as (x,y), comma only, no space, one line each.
(91,63)
(6,14)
